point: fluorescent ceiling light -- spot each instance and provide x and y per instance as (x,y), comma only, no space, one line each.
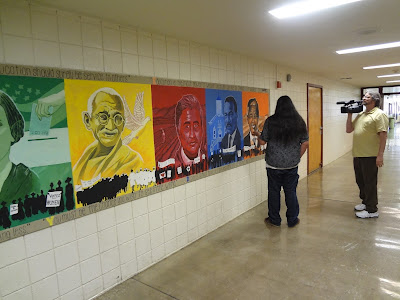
(390,81)
(369,48)
(381,66)
(390,75)
(305,7)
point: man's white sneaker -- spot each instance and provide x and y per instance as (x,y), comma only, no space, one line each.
(360,207)
(364,214)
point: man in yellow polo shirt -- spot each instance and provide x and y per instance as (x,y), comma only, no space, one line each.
(369,140)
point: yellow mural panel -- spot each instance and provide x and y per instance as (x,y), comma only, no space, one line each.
(111,138)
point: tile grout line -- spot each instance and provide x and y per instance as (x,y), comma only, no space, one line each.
(154,288)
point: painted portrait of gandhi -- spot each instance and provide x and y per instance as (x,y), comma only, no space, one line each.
(107,155)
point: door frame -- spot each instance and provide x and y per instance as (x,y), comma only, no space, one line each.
(322,119)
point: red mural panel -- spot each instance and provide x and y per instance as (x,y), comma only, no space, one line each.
(180,138)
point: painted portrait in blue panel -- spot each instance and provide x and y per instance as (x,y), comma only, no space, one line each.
(224,127)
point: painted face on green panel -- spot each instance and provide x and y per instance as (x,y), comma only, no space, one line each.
(5,135)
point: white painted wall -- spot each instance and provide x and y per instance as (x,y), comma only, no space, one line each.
(84,257)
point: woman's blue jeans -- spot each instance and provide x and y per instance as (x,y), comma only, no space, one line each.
(287,179)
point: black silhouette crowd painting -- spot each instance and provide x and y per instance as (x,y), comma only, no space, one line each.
(35,204)
(105,189)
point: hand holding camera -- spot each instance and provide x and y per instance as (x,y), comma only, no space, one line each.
(351,107)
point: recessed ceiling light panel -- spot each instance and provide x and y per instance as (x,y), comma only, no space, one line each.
(369,48)
(305,7)
(381,66)
(390,75)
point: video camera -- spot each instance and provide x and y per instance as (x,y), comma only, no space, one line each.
(351,106)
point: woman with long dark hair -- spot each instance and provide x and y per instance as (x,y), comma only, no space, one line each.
(286,135)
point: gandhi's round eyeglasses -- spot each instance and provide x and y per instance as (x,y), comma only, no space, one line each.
(103,119)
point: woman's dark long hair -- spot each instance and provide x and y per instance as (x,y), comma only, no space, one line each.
(15,120)
(286,125)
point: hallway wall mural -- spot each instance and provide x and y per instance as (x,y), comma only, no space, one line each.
(111,138)
(180,136)
(35,163)
(68,143)
(225,130)
(255,112)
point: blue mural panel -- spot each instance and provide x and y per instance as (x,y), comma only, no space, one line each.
(224,127)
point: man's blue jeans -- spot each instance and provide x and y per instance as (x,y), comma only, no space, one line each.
(287,179)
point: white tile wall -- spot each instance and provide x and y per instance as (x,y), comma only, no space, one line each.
(168,214)
(154,202)
(63,233)
(12,252)
(16,20)
(90,269)
(93,59)
(128,269)
(41,266)
(93,288)
(25,293)
(76,294)
(172,50)
(123,212)
(125,232)
(141,224)
(171,246)
(129,41)
(86,226)
(81,258)
(155,219)
(145,44)
(66,255)
(88,246)
(170,231)
(69,29)
(44,25)
(14,277)
(112,278)
(158,253)
(184,71)
(173,69)
(144,261)
(69,280)
(38,242)
(108,239)
(160,68)
(143,244)
(160,48)
(46,289)
(146,66)
(127,251)
(184,52)
(130,64)
(109,260)
(106,219)
(92,35)
(18,50)
(167,197)
(157,238)
(111,39)
(112,61)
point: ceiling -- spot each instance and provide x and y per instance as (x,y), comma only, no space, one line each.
(307,43)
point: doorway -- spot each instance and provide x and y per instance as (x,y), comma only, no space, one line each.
(315,129)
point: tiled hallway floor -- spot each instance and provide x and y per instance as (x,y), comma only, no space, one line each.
(330,255)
